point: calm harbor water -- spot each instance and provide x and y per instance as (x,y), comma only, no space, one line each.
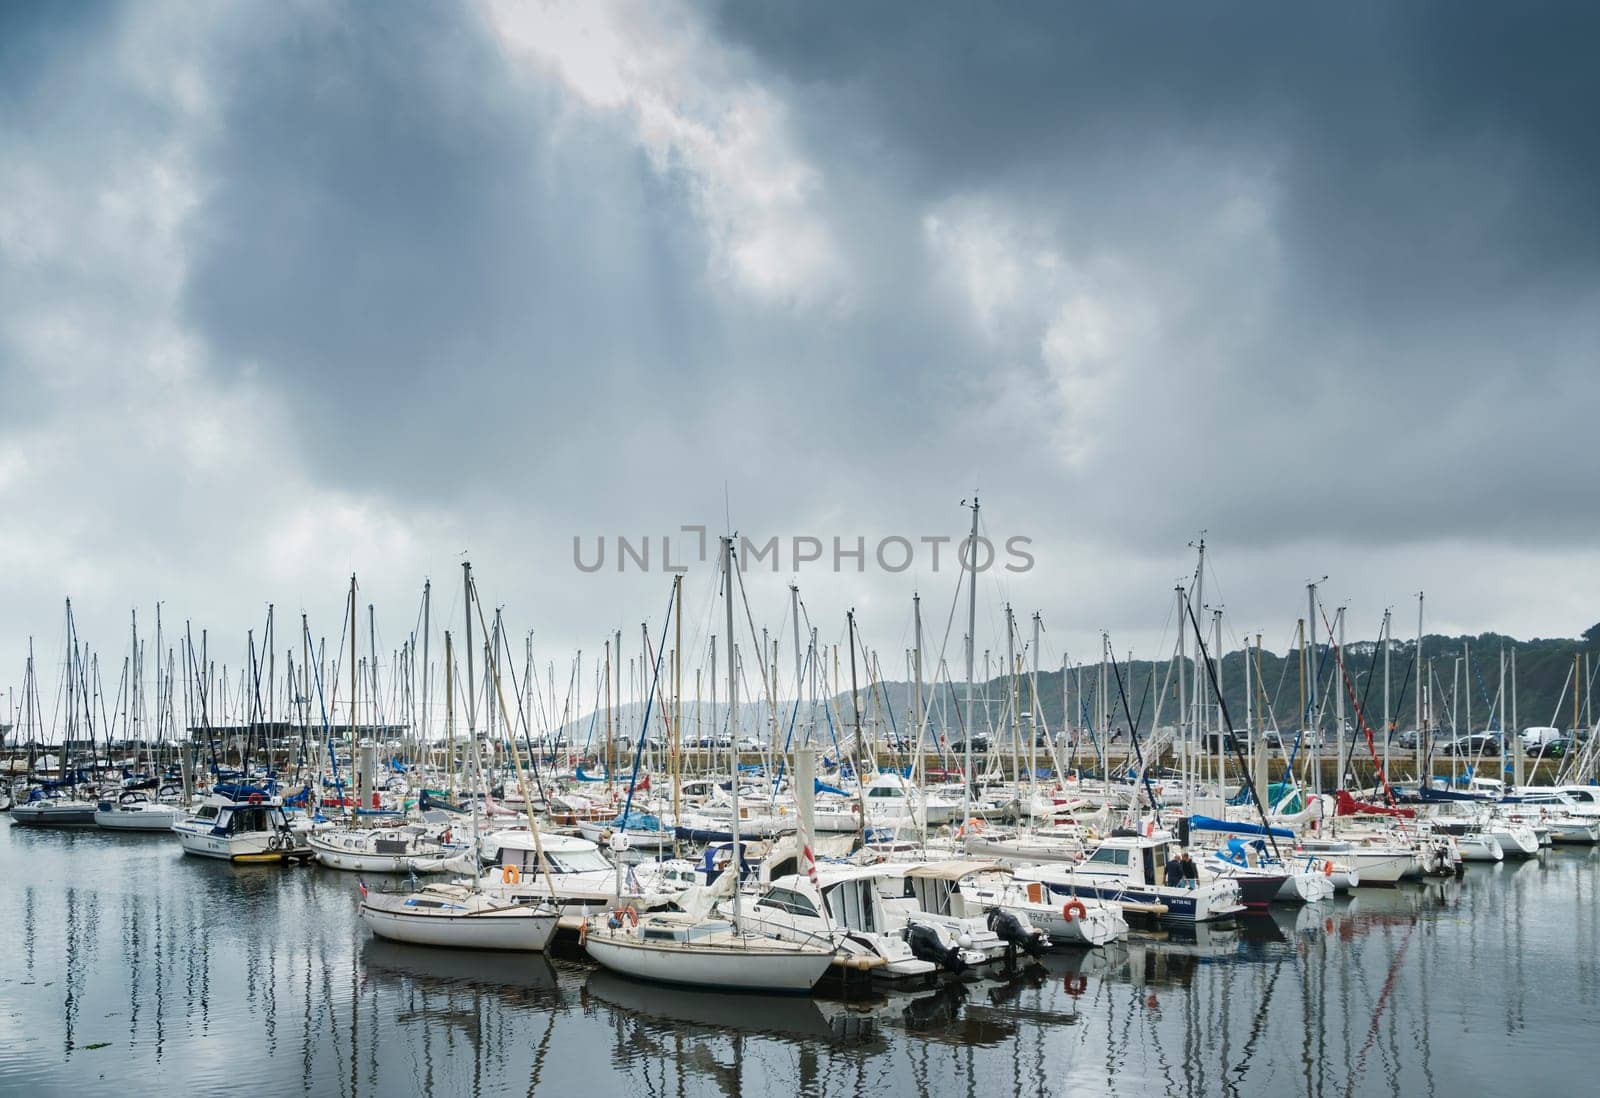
(126,965)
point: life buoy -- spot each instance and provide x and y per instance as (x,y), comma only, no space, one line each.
(255,798)
(1073,909)
(629,913)
(510,875)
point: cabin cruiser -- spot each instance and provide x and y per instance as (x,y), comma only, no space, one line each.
(1127,869)
(930,894)
(841,906)
(241,824)
(1077,922)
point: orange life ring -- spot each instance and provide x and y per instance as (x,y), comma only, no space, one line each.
(255,798)
(629,913)
(510,874)
(1073,909)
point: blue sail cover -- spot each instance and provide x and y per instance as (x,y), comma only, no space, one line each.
(1206,823)
(241,791)
(637,821)
(823,787)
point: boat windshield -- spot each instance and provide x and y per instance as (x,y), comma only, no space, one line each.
(577,861)
(1109,856)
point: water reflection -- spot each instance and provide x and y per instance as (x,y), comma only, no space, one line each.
(130,962)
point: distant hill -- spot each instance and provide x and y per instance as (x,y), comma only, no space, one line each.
(1544,691)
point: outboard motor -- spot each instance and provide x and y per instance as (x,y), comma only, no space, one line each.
(926,946)
(1009,929)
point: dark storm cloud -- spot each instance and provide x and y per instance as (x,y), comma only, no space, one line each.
(433,258)
(1386,115)
(305,289)
(1429,172)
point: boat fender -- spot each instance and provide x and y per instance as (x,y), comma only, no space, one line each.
(1327,868)
(583,932)
(1073,909)
(510,875)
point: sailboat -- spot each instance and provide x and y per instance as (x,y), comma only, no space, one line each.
(462,914)
(457,916)
(707,951)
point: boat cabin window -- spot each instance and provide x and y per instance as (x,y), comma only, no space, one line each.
(574,861)
(1110,855)
(851,905)
(786,899)
(207,812)
(249,819)
(884,791)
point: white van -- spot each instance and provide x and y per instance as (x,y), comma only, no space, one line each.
(1535,738)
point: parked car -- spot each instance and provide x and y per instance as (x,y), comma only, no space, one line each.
(980,744)
(1406,740)
(1550,749)
(1480,743)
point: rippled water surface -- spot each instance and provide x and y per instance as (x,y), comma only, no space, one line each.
(128,967)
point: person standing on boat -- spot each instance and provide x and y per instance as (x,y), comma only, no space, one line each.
(1175,870)
(1191,872)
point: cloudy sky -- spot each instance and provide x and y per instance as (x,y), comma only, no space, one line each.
(290,291)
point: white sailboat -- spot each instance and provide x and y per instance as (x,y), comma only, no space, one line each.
(457,916)
(708,951)
(135,811)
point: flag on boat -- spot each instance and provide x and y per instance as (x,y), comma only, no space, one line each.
(362,885)
(811,865)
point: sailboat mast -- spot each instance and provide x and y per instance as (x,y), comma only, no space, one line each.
(972,649)
(733,730)
(1422,728)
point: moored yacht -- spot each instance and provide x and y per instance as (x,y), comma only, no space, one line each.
(239,824)
(1126,869)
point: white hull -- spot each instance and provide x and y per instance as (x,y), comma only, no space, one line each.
(254,847)
(1515,842)
(353,859)
(697,964)
(1306,888)
(521,930)
(54,814)
(1479,848)
(147,818)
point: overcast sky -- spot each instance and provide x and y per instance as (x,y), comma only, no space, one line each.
(290,291)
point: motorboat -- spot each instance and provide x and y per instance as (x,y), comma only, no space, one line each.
(842,907)
(1077,922)
(241,824)
(1126,869)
